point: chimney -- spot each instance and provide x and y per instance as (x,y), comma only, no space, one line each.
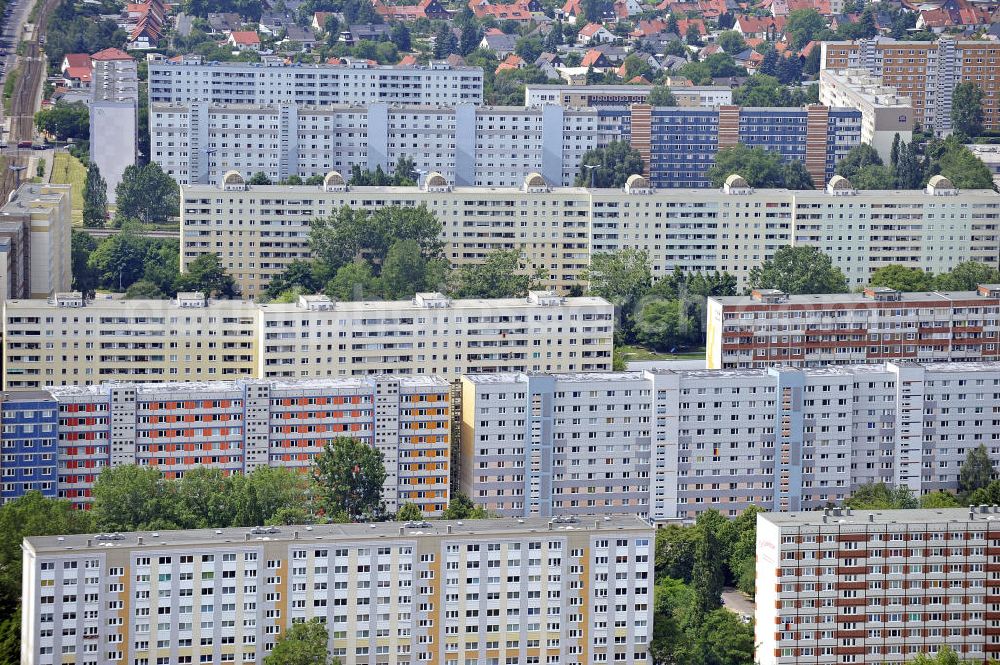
(871,517)
(246,537)
(449,528)
(825,519)
(139,539)
(401,529)
(295,535)
(89,542)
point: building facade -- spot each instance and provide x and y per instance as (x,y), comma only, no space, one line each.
(257,231)
(621,96)
(877,325)
(672,444)
(274,82)
(442,592)
(846,586)
(114,130)
(678,145)
(69,340)
(35,231)
(884,113)
(58,441)
(925,72)
(197,142)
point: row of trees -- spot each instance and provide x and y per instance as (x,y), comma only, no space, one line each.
(143,267)
(965,276)
(911,165)
(390,254)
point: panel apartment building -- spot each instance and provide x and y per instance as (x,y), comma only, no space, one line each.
(504,591)
(57,441)
(926,72)
(672,444)
(859,586)
(198,141)
(69,340)
(35,230)
(273,81)
(879,324)
(257,231)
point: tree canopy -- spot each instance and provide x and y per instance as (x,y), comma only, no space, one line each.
(348,476)
(796,270)
(759,167)
(146,194)
(95,198)
(977,470)
(502,275)
(610,166)
(303,643)
(902,278)
(64,121)
(967,109)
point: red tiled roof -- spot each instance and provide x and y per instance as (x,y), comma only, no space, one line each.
(79,73)
(244,37)
(408,60)
(592,57)
(684,23)
(111,54)
(590,29)
(647,28)
(512,61)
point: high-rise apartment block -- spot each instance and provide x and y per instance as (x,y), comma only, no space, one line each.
(884,112)
(673,444)
(490,591)
(274,81)
(35,230)
(69,340)
(860,586)
(769,327)
(58,441)
(257,231)
(113,115)
(678,145)
(926,72)
(621,96)
(197,142)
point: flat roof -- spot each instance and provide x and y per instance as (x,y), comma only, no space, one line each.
(376,306)
(319,533)
(852,298)
(436,66)
(884,517)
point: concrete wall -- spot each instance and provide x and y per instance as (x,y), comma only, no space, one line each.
(113,140)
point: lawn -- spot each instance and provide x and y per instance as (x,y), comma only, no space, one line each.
(641,354)
(67,170)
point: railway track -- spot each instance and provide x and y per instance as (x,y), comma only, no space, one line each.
(31,67)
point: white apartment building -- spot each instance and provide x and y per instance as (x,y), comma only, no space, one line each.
(621,96)
(860,586)
(275,82)
(114,115)
(879,324)
(433,334)
(67,339)
(198,141)
(672,444)
(524,591)
(70,340)
(258,230)
(35,232)
(884,113)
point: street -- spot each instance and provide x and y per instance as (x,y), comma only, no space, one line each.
(735,601)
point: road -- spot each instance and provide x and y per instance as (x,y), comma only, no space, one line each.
(32,66)
(734,601)
(104,233)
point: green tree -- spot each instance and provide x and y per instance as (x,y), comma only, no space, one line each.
(82,244)
(303,276)
(353,282)
(95,198)
(502,275)
(262,496)
(879,496)
(945,656)
(661,95)
(445,41)
(400,36)
(406,271)
(858,157)
(302,644)
(724,639)
(133,498)
(203,499)
(409,512)
(609,166)
(663,325)
(963,167)
(207,275)
(147,194)
(966,276)
(529,48)
(622,277)
(693,35)
(731,42)
(976,471)
(902,278)
(119,260)
(706,573)
(461,507)
(907,168)
(759,167)
(797,270)
(873,177)
(675,547)
(743,549)
(65,121)
(348,475)
(795,176)
(259,178)
(802,25)
(967,109)
(985,495)
(144,289)
(351,234)
(940,499)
